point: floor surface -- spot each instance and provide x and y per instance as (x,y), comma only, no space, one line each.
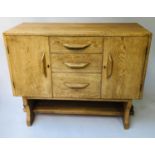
(13,123)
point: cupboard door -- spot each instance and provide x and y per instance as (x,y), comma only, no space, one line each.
(29,65)
(123,66)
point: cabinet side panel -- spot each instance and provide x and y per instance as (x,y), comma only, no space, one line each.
(9,64)
(145,65)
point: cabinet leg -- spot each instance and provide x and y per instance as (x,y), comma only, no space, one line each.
(126,119)
(28,108)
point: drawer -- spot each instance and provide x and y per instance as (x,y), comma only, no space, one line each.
(76,85)
(76,62)
(75,44)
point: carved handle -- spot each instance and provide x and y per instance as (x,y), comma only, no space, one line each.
(43,61)
(76,65)
(76,46)
(109,66)
(76,85)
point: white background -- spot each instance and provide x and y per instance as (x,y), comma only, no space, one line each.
(12,116)
(79,8)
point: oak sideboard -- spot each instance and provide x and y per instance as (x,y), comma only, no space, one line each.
(86,69)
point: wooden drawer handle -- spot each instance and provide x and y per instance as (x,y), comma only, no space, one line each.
(76,85)
(76,46)
(109,66)
(43,61)
(76,65)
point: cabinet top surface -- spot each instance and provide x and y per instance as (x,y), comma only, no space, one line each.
(79,29)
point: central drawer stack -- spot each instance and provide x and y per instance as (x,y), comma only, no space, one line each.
(76,66)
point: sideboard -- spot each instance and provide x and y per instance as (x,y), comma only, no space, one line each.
(86,69)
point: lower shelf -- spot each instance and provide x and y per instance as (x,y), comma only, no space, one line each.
(78,108)
(69,107)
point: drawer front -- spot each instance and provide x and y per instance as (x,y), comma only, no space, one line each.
(76,44)
(76,63)
(76,85)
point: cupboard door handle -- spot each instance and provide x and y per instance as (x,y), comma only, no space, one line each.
(109,66)
(76,65)
(76,85)
(43,61)
(76,46)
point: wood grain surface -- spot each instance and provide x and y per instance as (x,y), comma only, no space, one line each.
(25,53)
(79,29)
(128,54)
